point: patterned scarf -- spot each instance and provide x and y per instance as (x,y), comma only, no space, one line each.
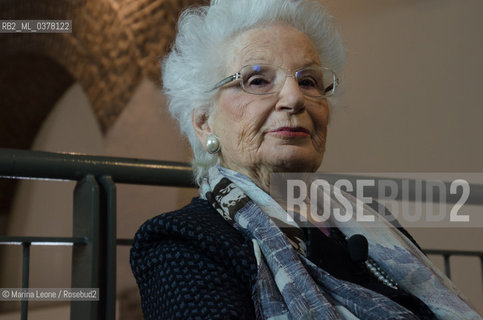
(289,286)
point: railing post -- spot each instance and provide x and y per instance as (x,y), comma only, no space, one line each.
(481,262)
(447,268)
(108,214)
(25,279)
(86,258)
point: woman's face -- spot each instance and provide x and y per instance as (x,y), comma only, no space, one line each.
(280,132)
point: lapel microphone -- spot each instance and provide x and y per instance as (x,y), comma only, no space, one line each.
(358,248)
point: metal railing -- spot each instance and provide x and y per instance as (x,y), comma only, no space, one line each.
(446,254)
(94,216)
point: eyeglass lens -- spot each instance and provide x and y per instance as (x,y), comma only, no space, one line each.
(264,79)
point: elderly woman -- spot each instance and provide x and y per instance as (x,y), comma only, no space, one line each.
(249,82)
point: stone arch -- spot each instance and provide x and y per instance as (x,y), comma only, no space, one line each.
(114,44)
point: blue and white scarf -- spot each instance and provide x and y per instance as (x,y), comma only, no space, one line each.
(289,286)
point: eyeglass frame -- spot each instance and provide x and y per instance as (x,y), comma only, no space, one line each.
(288,73)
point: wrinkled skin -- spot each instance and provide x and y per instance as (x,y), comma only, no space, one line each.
(248,125)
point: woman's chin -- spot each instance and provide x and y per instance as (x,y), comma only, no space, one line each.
(298,163)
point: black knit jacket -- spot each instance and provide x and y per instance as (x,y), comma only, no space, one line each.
(192,264)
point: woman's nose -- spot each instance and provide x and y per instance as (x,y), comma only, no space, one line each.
(291,97)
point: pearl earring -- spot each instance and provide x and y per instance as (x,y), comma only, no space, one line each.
(212,144)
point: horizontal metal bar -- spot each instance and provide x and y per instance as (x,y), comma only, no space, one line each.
(129,242)
(68,166)
(42,241)
(8,240)
(454,252)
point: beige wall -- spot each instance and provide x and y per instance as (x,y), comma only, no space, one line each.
(413,84)
(411,102)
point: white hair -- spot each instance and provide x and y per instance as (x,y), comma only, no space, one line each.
(198,60)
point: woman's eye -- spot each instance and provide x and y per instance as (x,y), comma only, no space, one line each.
(258,81)
(308,83)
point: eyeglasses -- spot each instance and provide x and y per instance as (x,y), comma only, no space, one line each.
(263,79)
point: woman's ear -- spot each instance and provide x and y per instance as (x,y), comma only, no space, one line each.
(199,119)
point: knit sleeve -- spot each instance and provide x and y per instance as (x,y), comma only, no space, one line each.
(191,264)
(176,281)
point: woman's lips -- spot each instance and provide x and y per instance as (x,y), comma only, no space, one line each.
(291,132)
